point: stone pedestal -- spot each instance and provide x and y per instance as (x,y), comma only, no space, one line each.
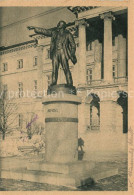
(61,89)
(61,126)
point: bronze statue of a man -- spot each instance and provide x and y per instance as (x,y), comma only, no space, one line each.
(62,49)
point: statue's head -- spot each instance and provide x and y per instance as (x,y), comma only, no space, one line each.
(61,25)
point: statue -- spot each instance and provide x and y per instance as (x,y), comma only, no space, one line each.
(62,49)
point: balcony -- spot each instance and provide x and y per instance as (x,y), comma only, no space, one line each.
(116,80)
(94,82)
(93,127)
(120,79)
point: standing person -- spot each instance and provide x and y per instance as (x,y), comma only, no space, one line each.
(80,144)
(62,49)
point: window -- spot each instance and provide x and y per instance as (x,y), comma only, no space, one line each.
(5,67)
(48,53)
(113,41)
(49,79)
(5,89)
(20,120)
(89,75)
(20,64)
(35,61)
(114,71)
(20,90)
(94,117)
(35,87)
(89,46)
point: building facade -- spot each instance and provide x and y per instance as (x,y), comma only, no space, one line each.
(100,77)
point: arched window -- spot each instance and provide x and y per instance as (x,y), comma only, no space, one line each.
(123,102)
(94,109)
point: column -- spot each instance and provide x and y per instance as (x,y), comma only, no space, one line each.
(107,116)
(81,116)
(107,17)
(122,55)
(97,59)
(82,51)
(40,68)
(108,111)
(87,115)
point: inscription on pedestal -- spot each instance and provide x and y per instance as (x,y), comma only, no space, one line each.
(61,119)
(52,110)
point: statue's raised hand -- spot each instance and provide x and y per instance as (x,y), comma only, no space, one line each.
(31,27)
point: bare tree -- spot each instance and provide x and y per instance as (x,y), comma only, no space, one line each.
(8,113)
(32,126)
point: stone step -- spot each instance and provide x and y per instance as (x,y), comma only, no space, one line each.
(13,163)
(67,168)
(68,180)
(98,174)
(40,177)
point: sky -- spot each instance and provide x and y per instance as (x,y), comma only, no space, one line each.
(14,21)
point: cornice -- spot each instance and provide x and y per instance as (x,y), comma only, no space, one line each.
(78,9)
(18,47)
(37,36)
(19,72)
(102,86)
(107,16)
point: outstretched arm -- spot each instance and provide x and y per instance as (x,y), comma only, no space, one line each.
(42,31)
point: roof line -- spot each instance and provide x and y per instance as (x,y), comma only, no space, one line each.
(16,45)
(33,17)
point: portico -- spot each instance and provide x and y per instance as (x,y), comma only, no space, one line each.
(86,21)
(103,66)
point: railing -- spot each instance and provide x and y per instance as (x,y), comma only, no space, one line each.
(102,81)
(120,79)
(93,127)
(94,82)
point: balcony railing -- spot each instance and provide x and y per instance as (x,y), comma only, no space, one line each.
(93,127)
(120,79)
(94,82)
(102,81)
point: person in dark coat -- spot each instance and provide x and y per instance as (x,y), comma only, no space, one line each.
(62,49)
(80,144)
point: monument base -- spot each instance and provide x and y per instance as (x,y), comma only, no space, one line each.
(61,165)
(79,167)
(63,88)
(69,174)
